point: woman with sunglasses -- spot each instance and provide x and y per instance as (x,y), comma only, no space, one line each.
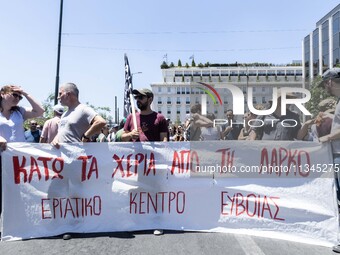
(12,116)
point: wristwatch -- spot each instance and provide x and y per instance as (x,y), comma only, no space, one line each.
(85,137)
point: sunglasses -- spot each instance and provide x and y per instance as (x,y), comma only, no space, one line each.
(33,124)
(139,97)
(17,96)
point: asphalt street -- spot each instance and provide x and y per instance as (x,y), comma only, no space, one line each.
(171,242)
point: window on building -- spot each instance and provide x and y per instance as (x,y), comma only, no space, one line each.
(159,89)
(168,101)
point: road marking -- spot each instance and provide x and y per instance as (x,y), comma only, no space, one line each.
(248,245)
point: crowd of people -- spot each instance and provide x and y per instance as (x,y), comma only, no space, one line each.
(76,122)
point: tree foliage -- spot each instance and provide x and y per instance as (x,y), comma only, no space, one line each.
(103,111)
(164,65)
(193,64)
(48,106)
(317,95)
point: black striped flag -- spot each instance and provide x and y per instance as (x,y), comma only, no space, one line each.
(128,88)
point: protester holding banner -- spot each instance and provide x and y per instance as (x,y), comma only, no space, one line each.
(331,82)
(12,117)
(151,126)
(80,121)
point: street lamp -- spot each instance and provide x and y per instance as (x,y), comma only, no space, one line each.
(134,74)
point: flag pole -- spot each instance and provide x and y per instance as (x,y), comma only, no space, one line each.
(129,106)
(133,112)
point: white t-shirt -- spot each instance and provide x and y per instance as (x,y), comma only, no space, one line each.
(12,129)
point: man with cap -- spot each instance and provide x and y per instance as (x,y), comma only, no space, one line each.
(151,126)
(331,82)
(50,128)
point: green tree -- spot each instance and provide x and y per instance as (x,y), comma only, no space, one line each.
(179,64)
(317,95)
(193,64)
(186,65)
(102,111)
(48,106)
(164,65)
(172,65)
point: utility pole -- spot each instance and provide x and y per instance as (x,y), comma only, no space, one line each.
(116,111)
(58,57)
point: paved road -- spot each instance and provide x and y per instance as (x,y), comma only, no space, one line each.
(171,243)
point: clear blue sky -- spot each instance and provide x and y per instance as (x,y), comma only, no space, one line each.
(97,33)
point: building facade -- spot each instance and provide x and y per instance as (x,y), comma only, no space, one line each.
(321,48)
(182,87)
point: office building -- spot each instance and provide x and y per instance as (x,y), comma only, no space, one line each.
(321,48)
(181,88)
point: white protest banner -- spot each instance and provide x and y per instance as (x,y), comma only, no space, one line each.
(280,189)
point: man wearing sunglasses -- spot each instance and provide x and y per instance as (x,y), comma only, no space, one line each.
(33,134)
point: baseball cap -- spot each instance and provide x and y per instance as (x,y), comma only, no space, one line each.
(58,108)
(330,74)
(144,92)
